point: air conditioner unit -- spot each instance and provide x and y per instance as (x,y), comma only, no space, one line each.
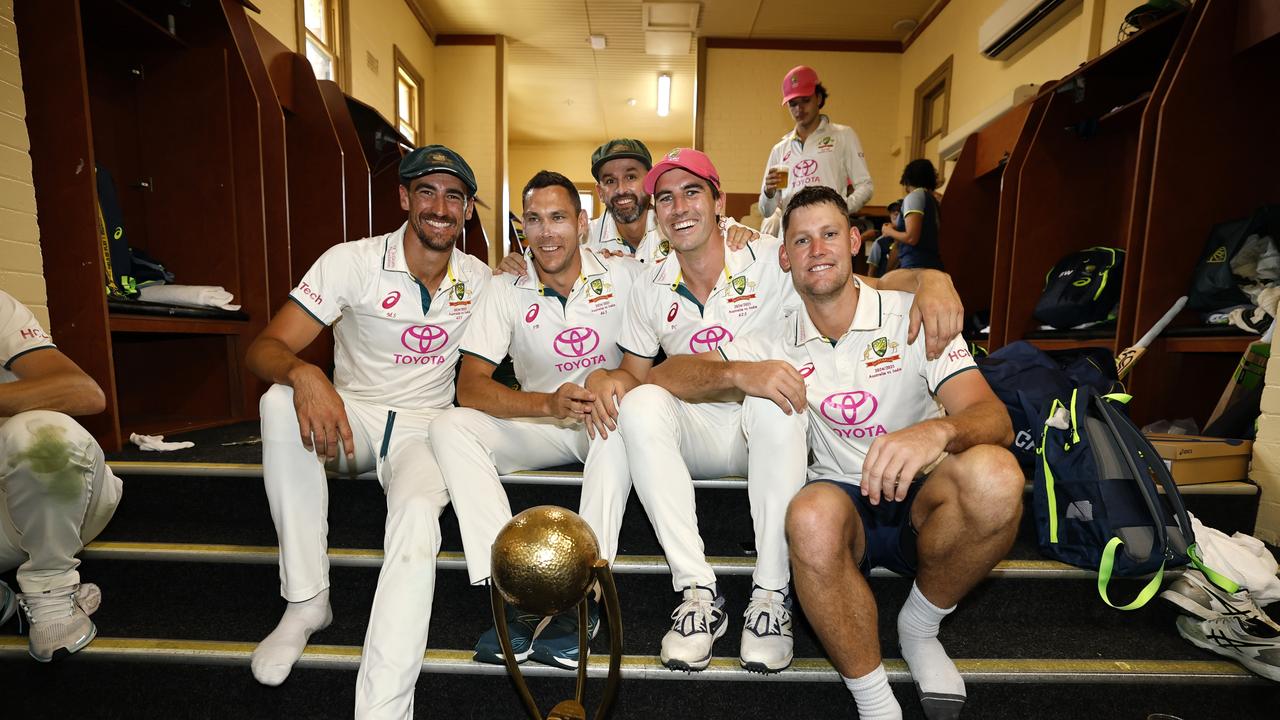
(1016,23)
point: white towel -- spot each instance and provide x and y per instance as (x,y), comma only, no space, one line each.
(189,296)
(156,443)
(1242,558)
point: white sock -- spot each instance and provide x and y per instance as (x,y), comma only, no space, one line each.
(874,697)
(941,687)
(274,657)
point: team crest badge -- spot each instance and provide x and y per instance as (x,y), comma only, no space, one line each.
(1219,255)
(674,154)
(439,157)
(460,289)
(664,248)
(597,286)
(739,284)
(880,345)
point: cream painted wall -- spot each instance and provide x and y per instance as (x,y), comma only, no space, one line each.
(978,82)
(573,160)
(466,104)
(21,264)
(744,117)
(377,26)
(279,18)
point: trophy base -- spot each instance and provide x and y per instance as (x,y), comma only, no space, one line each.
(568,710)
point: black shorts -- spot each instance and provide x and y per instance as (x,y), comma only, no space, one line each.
(890,536)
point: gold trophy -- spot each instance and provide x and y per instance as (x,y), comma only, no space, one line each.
(544,562)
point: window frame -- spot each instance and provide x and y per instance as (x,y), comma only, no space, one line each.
(339,40)
(401,63)
(938,82)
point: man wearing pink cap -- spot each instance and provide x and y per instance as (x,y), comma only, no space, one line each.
(816,152)
(706,293)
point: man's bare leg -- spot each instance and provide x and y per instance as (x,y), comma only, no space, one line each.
(967,517)
(826,544)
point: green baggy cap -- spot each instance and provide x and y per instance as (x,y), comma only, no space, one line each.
(620,148)
(434,159)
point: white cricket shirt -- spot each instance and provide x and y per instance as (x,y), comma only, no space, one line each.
(871,382)
(20,333)
(395,343)
(602,234)
(831,156)
(748,297)
(553,342)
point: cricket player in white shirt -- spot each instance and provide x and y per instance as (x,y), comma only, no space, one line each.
(627,225)
(559,322)
(816,152)
(703,295)
(895,481)
(56,491)
(399,304)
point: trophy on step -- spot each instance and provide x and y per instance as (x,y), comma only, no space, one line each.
(546,561)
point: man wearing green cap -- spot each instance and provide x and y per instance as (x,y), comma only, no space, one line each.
(628,225)
(403,300)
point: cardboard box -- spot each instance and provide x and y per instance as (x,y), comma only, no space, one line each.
(1193,459)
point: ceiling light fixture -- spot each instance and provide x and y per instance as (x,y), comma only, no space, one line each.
(631,102)
(664,94)
(597,42)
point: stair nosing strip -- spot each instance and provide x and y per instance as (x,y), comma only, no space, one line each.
(648,667)
(453,560)
(535,477)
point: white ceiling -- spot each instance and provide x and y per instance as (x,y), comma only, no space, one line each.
(559,89)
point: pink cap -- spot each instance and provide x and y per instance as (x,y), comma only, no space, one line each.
(688,159)
(801,81)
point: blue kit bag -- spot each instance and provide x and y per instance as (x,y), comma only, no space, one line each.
(1098,501)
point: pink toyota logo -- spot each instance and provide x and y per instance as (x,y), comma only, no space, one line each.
(708,339)
(850,408)
(424,339)
(805,168)
(576,342)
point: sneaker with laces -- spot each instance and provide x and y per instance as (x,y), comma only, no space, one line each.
(1194,594)
(1247,640)
(8,603)
(766,634)
(699,621)
(557,644)
(523,628)
(58,620)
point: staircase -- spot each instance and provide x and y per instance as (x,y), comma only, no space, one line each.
(188,573)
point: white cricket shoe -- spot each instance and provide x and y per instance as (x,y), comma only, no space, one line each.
(766,634)
(698,622)
(58,620)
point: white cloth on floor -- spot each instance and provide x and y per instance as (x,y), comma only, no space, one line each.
(156,443)
(1242,558)
(190,296)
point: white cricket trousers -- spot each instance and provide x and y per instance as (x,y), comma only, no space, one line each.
(394,443)
(474,448)
(56,494)
(669,442)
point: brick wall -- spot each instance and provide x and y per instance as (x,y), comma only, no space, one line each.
(21,266)
(1265,470)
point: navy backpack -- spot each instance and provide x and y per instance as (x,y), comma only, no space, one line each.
(1097,498)
(1027,380)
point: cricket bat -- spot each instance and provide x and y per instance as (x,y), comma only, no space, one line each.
(1130,355)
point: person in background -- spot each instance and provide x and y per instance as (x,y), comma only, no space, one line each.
(816,152)
(880,246)
(915,233)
